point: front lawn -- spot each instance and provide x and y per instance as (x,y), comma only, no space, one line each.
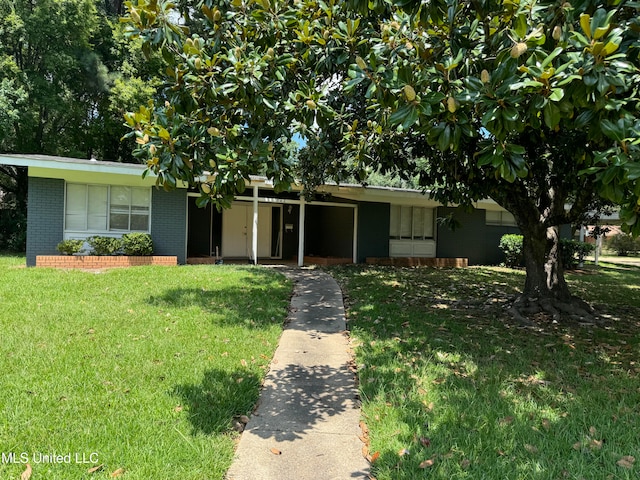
(141,372)
(452,389)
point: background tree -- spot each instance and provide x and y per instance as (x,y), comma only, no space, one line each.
(532,103)
(67,76)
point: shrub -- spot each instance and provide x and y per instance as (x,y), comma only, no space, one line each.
(623,244)
(511,246)
(573,252)
(69,247)
(104,245)
(137,244)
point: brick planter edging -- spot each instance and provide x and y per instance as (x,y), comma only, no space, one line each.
(326,261)
(92,261)
(418,262)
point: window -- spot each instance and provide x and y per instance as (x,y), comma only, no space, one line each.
(102,208)
(499,218)
(411,222)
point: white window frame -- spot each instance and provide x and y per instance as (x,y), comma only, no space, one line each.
(428,222)
(108,230)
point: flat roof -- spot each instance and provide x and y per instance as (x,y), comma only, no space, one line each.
(67,163)
(42,163)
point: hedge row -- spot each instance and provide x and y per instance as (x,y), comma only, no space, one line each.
(133,244)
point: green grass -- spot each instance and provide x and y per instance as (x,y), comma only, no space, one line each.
(145,368)
(447,377)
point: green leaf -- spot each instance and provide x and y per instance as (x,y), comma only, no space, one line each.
(612,130)
(411,117)
(551,57)
(510,114)
(399,115)
(444,140)
(551,114)
(520,25)
(557,94)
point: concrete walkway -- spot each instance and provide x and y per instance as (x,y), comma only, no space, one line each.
(306,425)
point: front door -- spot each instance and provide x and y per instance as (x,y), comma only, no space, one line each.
(237,223)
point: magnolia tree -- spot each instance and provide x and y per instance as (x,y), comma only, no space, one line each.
(535,104)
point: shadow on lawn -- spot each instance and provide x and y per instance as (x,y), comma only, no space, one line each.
(479,397)
(221,396)
(252,303)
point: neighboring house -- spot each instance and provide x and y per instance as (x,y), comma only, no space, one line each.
(73,198)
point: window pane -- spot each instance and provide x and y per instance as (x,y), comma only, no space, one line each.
(508,219)
(418,222)
(118,221)
(428,222)
(120,197)
(140,222)
(140,197)
(119,209)
(405,222)
(97,216)
(493,218)
(76,204)
(140,208)
(394,222)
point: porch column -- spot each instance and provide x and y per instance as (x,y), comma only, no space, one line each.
(355,234)
(301,233)
(254,230)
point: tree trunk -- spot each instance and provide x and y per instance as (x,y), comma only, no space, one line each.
(546,292)
(545,274)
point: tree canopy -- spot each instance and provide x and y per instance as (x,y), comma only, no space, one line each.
(535,104)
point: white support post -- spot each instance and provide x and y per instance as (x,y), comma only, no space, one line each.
(301,218)
(355,235)
(582,234)
(254,230)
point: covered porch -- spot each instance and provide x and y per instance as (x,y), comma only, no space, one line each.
(269,228)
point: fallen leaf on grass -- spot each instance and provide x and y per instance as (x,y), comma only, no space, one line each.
(429,406)
(426,463)
(506,421)
(117,473)
(403,452)
(626,462)
(465,463)
(178,408)
(374,457)
(425,441)
(26,475)
(275,451)
(96,468)
(546,424)
(530,448)
(595,444)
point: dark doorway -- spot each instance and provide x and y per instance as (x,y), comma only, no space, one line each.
(205,229)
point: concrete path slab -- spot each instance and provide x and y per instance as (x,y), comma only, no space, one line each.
(306,425)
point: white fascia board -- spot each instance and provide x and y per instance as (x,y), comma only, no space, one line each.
(83,171)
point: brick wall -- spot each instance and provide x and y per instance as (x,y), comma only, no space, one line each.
(45,217)
(90,261)
(169,223)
